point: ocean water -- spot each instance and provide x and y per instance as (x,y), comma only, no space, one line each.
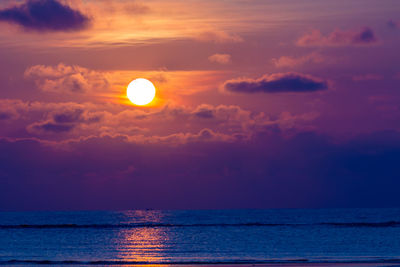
(203,236)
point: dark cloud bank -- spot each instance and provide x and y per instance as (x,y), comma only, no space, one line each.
(45,15)
(277,83)
(271,171)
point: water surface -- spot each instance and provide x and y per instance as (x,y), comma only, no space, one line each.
(206,236)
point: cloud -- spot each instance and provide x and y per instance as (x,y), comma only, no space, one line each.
(285,61)
(7,110)
(45,15)
(220,58)
(204,111)
(49,126)
(204,135)
(67,79)
(277,83)
(338,37)
(50,118)
(65,119)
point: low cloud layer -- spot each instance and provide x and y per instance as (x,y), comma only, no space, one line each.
(286,61)
(277,83)
(45,15)
(365,36)
(60,122)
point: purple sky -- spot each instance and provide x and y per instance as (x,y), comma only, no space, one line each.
(259,104)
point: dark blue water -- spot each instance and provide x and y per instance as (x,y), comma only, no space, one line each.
(218,236)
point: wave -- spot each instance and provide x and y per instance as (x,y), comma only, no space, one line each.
(188,262)
(153,225)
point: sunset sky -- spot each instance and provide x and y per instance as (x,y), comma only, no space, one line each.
(259,104)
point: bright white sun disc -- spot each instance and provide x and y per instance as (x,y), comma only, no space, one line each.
(141,91)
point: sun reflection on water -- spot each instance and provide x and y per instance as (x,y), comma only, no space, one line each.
(143,244)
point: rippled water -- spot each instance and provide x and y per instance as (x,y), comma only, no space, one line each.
(217,236)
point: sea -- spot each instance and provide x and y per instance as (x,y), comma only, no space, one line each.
(200,237)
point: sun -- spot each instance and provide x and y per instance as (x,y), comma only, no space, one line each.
(141,92)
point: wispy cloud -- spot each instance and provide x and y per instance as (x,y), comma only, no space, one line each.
(365,36)
(286,61)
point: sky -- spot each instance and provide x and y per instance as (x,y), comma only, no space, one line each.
(259,104)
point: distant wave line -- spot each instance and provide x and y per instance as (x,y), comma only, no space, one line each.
(154,225)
